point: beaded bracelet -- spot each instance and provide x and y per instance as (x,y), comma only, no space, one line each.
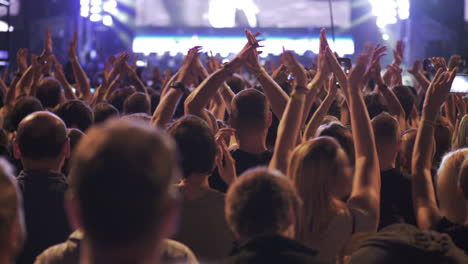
(429,123)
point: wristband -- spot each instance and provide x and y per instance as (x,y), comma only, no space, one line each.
(429,123)
(296,96)
(260,72)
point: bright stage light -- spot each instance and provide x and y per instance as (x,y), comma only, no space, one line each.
(107,20)
(230,45)
(388,12)
(99,10)
(385,36)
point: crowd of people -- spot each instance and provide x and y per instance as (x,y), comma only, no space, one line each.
(233,163)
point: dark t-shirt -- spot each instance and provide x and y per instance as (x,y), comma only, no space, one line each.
(44,210)
(244,161)
(267,249)
(458,232)
(396,204)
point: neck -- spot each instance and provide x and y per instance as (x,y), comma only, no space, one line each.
(387,161)
(51,165)
(252,141)
(117,255)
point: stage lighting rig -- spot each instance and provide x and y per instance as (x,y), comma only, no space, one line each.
(99,10)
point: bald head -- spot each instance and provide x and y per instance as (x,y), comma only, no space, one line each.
(41,135)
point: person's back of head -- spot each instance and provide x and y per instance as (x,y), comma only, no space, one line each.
(120,190)
(236,83)
(460,137)
(250,111)
(196,145)
(49,92)
(406,98)
(375,104)
(261,202)
(76,114)
(316,166)
(41,135)
(451,201)
(406,244)
(136,103)
(463,178)
(12,231)
(342,134)
(118,97)
(387,135)
(104,111)
(23,107)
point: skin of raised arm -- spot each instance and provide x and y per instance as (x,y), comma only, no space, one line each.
(290,124)
(24,82)
(227,95)
(275,94)
(165,110)
(201,96)
(450,110)
(273,91)
(366,187)
(321,112)
(139,85)
(424,199)
(218,107)
(287,132)
(60,76)
(418,75)
(78,72)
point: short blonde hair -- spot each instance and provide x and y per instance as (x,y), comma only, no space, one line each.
(451,202)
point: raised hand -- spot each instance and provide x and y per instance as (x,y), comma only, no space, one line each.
(22,59)
(73,47)
(439,63)
(416,67)
(439,90)
(375,67)
(300,76)
(454,62)
(224,160)
(356,76)
(399,52)
(280,75)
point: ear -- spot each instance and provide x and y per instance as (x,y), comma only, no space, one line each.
(16,150)
(71,207)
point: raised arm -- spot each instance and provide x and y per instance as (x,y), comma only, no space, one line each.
(291,121)
(197,101)
(22,60)
(275,94)
(78,72)
(60,76)
(365,194)
(424,199)
(322,111)
(165,110)
(418,75)
(391,99)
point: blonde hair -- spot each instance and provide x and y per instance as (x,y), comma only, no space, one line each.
(460,135)
(314,172)
(451,201)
